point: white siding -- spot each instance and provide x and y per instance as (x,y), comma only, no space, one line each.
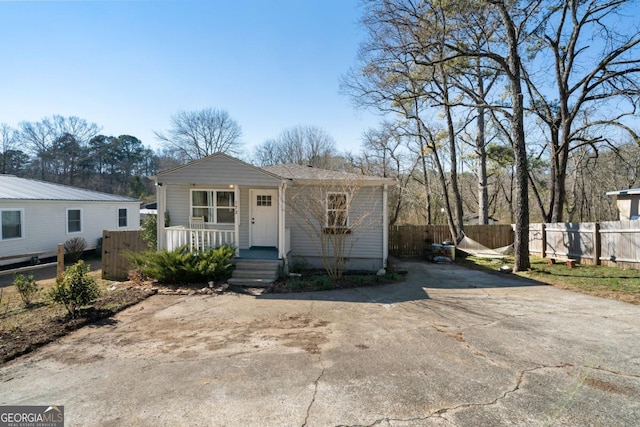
(628,206)
(45,224)
(178,204)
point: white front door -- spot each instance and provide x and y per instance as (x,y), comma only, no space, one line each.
(264,217)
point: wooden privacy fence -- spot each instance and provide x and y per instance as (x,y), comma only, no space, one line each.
(114,243)
(415,240)
(611,243)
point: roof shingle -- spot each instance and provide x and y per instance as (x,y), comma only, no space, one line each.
(309,173)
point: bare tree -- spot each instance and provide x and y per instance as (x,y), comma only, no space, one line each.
(303,145)
(392,78)
(8,142)
(595,51)
(197,134)
(334,214)
(384,153)
(40,138)
(431,39)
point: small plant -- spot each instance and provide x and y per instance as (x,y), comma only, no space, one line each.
(297,284)
(76,289)
(323,282)
(74,248)
(27,287)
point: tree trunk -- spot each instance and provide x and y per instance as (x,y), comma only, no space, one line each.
(559,182)
(514,73)
(481,152)
(483,192)
(454,215)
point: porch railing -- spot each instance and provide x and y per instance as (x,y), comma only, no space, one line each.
(198,239)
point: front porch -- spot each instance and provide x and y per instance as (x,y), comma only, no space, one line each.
(198,239)
(256,252)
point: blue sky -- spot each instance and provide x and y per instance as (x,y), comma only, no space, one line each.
(129,65)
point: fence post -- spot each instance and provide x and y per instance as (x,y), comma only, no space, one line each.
(543,236)
(597,250)
(60,260)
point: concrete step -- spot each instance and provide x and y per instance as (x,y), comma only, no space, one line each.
(252,283)
(254,274)
(242,264)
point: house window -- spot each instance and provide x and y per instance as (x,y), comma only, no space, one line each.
(11,224)
(122,217)
(74,220)
(216,206)
(337,210)
(263,200)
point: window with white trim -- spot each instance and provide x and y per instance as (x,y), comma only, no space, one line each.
(337,210)
(74,221)
(12,220)
(122,217)
(216,206)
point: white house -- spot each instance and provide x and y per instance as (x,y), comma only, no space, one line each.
(628,202)
(36,216)
(273,210)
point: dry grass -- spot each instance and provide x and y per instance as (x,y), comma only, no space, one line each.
(606,282)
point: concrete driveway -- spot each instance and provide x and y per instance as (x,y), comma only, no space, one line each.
(448,347)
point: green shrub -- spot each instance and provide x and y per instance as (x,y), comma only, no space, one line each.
(297,284)
(76,289)
(184,266)
(149,230)
(323,282)
(74,248)
(27,287)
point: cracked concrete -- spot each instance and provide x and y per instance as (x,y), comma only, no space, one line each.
(448,347)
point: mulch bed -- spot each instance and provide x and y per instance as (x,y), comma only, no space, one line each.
(46,323)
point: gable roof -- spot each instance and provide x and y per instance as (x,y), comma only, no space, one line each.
(14,188)
(308,174)
(224,169)
(220,168)
(622,192)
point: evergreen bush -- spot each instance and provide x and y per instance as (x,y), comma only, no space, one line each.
(184,266)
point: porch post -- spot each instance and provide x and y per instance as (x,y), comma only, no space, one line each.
(236,220)
(282,250)
(385,227)
(161,193)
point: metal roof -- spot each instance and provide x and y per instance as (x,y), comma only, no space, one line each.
(621,192)
(14,188)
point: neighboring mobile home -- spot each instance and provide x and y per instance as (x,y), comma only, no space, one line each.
(286,210)
(36,216)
